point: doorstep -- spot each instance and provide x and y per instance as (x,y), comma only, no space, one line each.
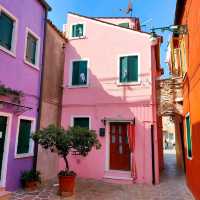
(115,176)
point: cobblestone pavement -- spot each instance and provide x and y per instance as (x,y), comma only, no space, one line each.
(172,187)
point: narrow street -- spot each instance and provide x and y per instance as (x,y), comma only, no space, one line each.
(172,187)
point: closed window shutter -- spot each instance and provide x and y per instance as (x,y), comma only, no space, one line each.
(24,137)
(75,73)
(123,69)
(81,122)
(189,142)
(74,31)
(31,49)
(132,68)
(6,31)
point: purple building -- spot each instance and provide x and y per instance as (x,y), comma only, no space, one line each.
(22,32)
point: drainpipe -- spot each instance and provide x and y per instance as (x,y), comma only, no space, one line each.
(41,92)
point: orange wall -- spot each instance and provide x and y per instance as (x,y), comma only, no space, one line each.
(191,17)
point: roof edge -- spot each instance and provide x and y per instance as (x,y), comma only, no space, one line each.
(45,5)
(98,20)
(180,4)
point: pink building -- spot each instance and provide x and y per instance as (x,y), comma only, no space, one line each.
(109,86)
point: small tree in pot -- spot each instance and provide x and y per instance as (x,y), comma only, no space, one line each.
(75,139)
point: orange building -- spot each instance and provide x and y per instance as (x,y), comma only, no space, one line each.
(185,62)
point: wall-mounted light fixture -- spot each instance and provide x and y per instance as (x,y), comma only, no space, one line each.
(175,29)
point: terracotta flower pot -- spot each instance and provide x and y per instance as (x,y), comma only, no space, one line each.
(66,185)
(31,185)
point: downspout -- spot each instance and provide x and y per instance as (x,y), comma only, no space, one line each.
(41,92)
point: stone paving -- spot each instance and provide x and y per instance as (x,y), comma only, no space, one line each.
(172,187)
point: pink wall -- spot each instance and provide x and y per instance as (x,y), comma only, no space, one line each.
(104,98)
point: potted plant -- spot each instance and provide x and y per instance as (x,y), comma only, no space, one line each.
(75,140)
(30,179)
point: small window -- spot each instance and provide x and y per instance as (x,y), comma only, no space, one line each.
(189,138)
(77,30)
(82,122)
(32,46)
(126,25)
(24,140)
(128,69)
(79,73)
(7,25)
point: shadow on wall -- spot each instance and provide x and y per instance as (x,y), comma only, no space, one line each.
(104,98)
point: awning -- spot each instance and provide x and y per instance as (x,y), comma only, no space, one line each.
(105,119)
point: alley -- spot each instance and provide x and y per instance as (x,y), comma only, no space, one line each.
(172,187)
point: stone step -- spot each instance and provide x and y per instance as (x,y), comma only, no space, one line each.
(4,195)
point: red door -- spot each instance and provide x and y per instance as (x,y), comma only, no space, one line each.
(119,147)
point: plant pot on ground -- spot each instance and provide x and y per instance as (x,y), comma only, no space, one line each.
(63,142)
(30,179)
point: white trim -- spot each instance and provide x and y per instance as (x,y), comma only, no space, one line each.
(188,115)
(31,143)
(71,29)
(6,148)
(71,70)
(11,52)
(81,116)
(139,70)
(107,162)
(37,54)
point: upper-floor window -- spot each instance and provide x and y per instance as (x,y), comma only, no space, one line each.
(32,49)
(77,30)
(128,72)
(79,73)
(8,24)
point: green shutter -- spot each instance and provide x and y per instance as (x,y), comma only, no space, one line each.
(24,137)
(133,68)
(31,49)
(6,31)
(81,122)
(77,30)
(126,25)
(123,69)
(79,73)
(189,141)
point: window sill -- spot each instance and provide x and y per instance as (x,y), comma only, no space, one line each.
(77,86)
(189,158)
(11,53)
(77,38)
(129,84)
(31,65)
(26,155)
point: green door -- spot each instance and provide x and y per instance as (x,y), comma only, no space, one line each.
(3,124)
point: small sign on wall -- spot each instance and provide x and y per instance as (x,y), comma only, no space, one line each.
(102,132)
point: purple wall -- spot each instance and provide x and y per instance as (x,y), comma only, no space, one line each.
(16,74)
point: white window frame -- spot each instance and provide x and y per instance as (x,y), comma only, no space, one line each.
(37,54)
(71,73)
(31,142)
(139,70)
(71,31)
(80,116)
(11,52)
(188,115)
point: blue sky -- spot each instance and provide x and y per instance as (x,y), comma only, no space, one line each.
(156,12)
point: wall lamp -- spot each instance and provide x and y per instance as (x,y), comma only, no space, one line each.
(175,29)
